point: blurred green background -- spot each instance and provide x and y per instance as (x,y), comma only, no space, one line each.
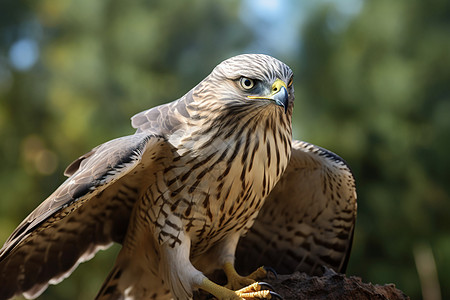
(372,84)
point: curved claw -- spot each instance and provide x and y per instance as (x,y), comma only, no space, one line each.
(265,286)
(271,270)
(275,296)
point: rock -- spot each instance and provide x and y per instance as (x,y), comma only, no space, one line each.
(331,286)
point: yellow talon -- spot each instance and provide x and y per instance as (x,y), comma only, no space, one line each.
(258,274)
(247,287)
(263,294)
(252,291)
(255,291)
(236,281)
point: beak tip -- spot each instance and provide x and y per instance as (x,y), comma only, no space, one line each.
(281,98)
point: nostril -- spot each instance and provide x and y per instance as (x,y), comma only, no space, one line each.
(275,89)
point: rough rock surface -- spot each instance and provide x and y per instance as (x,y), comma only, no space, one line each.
(331,286)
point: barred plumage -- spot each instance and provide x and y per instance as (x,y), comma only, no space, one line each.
(181,192)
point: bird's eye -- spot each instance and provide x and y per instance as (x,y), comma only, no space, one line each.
(290,81)
(247,83)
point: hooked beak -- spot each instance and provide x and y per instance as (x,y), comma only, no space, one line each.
(279,94)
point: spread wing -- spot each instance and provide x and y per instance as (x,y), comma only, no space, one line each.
(308,219)
(88,212)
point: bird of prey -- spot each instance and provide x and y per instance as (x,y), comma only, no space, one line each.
(209,177)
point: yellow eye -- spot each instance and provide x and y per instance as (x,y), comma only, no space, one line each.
(290,82)
(246,83)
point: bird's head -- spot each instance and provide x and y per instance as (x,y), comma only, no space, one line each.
(251,80)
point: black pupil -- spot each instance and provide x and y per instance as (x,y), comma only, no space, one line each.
(247,82)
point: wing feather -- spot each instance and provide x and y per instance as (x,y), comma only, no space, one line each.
(88,212)
(307,220)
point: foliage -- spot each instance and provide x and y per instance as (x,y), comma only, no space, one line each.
(378,94)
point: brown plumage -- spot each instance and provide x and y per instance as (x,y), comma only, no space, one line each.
(181,192)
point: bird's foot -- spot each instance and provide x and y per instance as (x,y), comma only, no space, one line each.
(262,272)
(256,290)
(236,281)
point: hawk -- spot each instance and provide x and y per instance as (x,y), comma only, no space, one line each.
(209,177)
